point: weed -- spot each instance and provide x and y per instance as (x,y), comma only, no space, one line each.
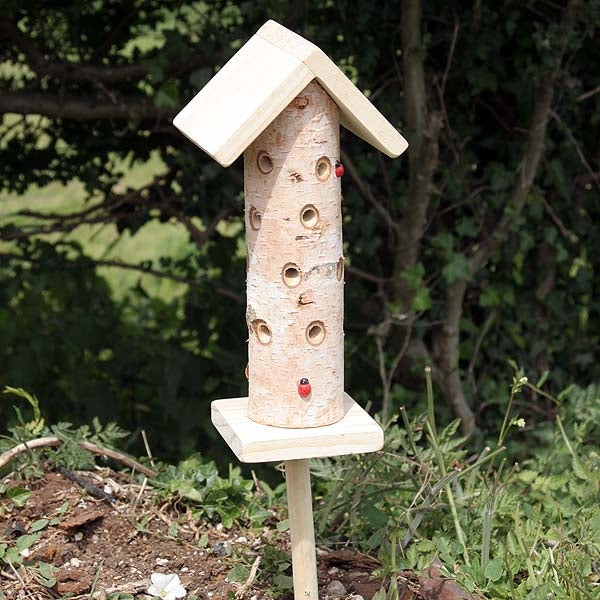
(502,529)
(197,482)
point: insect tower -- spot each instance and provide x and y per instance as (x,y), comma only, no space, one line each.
(280,101)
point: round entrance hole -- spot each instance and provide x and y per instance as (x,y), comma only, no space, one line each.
(264,162)
(254,218)
(309,216)
(339,271)
(315,333)
(323,169)
(291,275)
(262,330)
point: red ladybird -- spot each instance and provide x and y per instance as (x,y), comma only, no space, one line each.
(304,388)
(339,168)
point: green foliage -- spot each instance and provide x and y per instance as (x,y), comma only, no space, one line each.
(125,353)
(15,554)
(527,526)
(275,569)
(197,482)
(70,454)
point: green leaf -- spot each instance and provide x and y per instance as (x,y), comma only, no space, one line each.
(200,77)
(18,495)
(375,517)
(46,570)
(38,525)
(494,569)
(444,242)
(26,541)
(238,574)
(467,228)
(580,470)
(46,575)
(283,525)
(457,268)
(414,275)
(542,379)
(284,582)
(63,508)
(12,555)
(381,594)
(167,96)
(421,300)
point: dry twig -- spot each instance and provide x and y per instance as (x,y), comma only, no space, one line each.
(243,588)
(50,441)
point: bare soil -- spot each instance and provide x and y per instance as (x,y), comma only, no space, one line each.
(100,548)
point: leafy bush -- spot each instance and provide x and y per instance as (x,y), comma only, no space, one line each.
(503,529)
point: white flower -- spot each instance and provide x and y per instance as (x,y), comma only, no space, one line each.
(25,553)
(166,587)
(520,423)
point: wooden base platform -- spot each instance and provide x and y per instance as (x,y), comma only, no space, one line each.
(251,442)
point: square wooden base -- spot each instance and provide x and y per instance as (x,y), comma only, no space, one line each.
(252,442)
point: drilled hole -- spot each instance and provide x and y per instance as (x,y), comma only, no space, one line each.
(315,333)
(254,219)
(264,162)
(309,216)
(263,333)
(339,271)
(323,169)
(300,102)
(291,275)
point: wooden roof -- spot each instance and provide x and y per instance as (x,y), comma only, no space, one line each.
(259,81)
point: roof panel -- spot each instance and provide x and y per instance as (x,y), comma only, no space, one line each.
(240,101)
(357,113)
(259,81)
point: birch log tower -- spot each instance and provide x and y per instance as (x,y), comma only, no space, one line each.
(280,101)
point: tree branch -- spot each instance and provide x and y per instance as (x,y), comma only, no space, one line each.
(448,337)
(50,441)
(525,176)
(366,191)
(423,133)
(141,268)
(66,70)
(448,350)
(80,108)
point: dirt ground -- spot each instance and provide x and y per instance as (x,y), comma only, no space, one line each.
(101,548)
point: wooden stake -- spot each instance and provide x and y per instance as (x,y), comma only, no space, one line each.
(302,530)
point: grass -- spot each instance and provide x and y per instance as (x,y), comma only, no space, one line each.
(503,529)
(504,526)
(103,241)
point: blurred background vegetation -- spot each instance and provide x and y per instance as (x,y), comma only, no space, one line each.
(122,245)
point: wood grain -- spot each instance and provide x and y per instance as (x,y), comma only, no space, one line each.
(302,529)
(252,442)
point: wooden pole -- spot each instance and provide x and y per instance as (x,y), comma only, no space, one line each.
(302,530)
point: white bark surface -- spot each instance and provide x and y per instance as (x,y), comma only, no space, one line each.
(282,179)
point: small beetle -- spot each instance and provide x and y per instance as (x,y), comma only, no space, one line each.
(304,388)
